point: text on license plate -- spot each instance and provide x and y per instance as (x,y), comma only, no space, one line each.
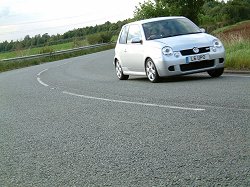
(196,58)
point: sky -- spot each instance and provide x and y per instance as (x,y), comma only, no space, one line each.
(19,18)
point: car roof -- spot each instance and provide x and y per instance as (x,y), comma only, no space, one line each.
(154,19)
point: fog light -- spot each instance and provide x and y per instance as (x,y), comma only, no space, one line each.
(213,49)
(171,68)
(221,60)
(177,54)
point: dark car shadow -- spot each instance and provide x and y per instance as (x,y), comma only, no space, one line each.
(183,78)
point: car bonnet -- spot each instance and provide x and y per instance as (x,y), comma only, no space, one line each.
(189,41)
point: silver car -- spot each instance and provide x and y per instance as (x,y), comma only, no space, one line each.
(167,46)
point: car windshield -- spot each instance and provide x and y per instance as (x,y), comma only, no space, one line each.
(169,28)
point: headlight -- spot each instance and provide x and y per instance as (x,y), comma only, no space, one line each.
(167,51)
(217,43)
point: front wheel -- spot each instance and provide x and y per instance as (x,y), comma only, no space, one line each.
(216,72)
(119,72)
(151,71)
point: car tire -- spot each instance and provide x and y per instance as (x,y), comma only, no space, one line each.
(151,71)
(119,72)
(216,72)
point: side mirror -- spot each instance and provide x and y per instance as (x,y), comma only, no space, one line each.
(203,30)
(136,41)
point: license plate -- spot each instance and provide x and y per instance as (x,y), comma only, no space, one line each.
(196,58)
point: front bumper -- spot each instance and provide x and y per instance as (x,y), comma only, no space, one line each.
(171,66)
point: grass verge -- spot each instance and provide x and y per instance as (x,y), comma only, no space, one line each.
(236,39)
(238,55)
(40,50)
(10,65)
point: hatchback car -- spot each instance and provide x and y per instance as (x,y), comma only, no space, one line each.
(167,46)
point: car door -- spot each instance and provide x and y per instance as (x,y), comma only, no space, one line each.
(121,46)
(134,49)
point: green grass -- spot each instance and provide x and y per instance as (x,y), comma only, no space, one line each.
(10,65)
(238,55)
(236,39)
(39,50)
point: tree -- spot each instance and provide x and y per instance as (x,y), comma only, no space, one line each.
(187,8)
(217,14)
(150,9)
(25,43)
(9,46)
(238,10)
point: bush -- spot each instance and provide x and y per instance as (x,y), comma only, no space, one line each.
(46,49)
(102,37)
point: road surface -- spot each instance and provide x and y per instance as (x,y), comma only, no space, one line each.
(73,123)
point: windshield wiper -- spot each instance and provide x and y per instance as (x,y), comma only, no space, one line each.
(194,32)
(182,34)
(156,37)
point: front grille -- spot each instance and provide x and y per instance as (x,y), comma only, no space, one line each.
(191,52)
(197,65)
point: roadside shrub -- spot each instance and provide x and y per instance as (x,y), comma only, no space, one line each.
(46,49)
(102,37)
(94,39)
(106,36)
(114,38)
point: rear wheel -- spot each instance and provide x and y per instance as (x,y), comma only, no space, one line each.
(151,71)
(216,72)
(119,72)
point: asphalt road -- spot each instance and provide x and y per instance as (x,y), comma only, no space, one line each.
(73,123)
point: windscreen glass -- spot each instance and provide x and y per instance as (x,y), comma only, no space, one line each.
(169,28)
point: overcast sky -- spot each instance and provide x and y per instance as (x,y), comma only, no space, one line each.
(19,18)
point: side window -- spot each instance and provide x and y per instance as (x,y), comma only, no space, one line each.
(123,36)
(134,32)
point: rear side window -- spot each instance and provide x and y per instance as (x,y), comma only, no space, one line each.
(134,32)
(123,36)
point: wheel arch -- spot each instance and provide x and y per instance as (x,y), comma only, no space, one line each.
(154,61)
(115,60)
(146,59)
(156,77)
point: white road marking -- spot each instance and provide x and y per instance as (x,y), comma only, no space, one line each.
(141,103)
(42,72)
(41,82)
(223,107)
(134,103)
